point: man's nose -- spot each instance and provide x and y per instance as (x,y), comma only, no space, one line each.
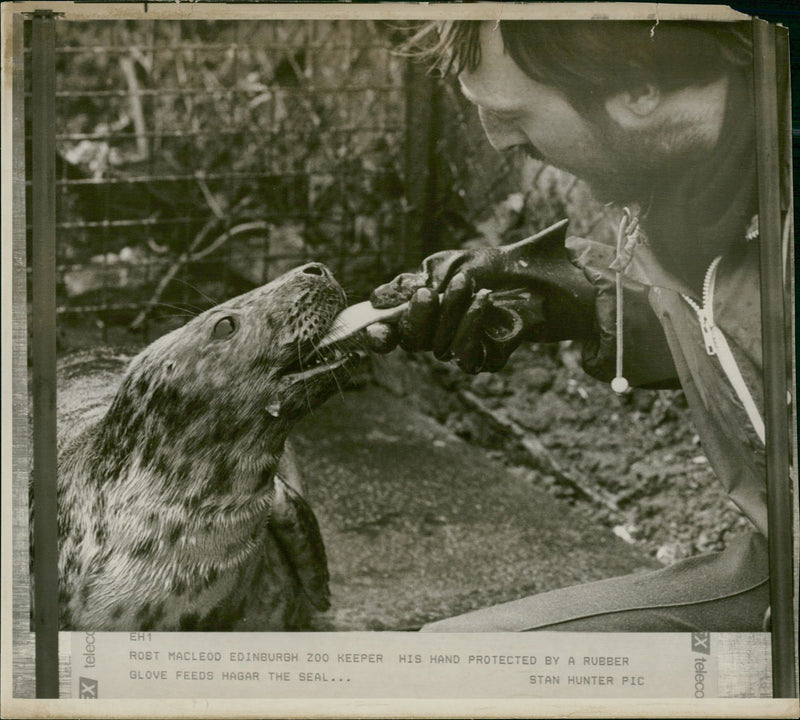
(502,134)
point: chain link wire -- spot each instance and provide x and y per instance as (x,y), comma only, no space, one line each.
(198,159)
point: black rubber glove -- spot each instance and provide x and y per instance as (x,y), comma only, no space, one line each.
(492,300)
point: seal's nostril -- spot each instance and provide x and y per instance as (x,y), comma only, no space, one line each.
(314,269)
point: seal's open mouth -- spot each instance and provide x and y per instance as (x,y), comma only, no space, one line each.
(341,344)
(321,361)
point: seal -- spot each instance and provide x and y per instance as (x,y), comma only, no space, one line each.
(179,506)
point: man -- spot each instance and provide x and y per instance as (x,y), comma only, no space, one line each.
(659,118)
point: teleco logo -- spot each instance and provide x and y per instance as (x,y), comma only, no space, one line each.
(87,688)
(701,643)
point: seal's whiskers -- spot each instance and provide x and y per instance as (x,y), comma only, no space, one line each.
(338,385)
(188,310)
(305,384)
(197,290)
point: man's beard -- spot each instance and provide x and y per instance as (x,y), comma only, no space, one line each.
(640,162)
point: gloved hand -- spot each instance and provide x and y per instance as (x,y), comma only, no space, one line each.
(477,306)
(492,300)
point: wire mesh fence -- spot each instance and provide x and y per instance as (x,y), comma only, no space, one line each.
(198,159)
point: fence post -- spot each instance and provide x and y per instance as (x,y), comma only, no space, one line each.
(22,639)
(43,326)
(419,233)
(773,325)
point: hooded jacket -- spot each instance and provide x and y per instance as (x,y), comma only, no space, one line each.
(692,222)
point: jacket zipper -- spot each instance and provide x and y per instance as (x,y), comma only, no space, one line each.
(717,344)
(705,312)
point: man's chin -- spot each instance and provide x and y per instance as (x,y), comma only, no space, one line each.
(619,191)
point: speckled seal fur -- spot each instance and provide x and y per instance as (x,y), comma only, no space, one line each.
(179,508)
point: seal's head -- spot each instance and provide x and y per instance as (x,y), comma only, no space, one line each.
(230,384)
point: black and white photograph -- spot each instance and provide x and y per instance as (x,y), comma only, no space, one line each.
(398,359)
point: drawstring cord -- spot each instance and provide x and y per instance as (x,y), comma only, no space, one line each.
(627,229)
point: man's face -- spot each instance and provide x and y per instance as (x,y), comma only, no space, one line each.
(619,163)
(517,111)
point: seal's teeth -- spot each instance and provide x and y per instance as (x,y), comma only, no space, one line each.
(323,356)
(274,408)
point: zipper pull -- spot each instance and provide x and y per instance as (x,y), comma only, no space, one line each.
(707,327)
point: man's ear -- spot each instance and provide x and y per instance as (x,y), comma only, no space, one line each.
(635,107)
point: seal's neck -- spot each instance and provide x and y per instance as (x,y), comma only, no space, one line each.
(184,479)
(193,535)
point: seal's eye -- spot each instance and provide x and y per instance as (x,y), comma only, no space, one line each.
(224,328)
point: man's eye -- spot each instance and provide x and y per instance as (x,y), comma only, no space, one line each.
(224,328)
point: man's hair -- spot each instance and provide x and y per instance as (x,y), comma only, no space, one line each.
(589,61)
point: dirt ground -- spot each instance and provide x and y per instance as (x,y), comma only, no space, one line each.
(421,525)
(633,463)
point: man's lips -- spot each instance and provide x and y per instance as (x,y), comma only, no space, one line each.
(531,151)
